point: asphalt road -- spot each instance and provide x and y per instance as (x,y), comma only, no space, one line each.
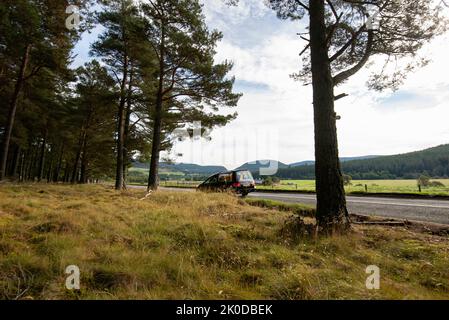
(421,210)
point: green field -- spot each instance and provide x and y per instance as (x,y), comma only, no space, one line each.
(373,186)
(357,186)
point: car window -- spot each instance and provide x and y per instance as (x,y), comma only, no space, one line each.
(225,177)
(208,181)
(213,179)
(244,176)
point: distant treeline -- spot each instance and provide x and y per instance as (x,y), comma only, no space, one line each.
(433,162)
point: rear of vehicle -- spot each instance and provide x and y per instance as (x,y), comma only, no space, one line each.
(243,182)
(240,182)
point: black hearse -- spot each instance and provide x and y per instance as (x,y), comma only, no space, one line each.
(239,181)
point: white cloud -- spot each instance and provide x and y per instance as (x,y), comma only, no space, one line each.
(413,118)
(265,52)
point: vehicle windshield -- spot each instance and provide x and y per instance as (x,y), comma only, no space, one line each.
(244,176)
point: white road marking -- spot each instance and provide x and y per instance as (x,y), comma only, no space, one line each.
(401,204)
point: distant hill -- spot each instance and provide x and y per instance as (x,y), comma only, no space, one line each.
(343,159)
(256,165)
(186,168)
(302,163)
(190,168)
(433,162)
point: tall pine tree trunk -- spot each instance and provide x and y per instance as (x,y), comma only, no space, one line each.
(157,127)
(12,111)
(332,214)
(15,162)
(156,143)
(84,163)
(59,166)
(22,166)
(66,172)
(127,125)
(119,176)
(74,178)
(42,157)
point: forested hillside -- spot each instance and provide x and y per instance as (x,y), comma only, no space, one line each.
(433,162)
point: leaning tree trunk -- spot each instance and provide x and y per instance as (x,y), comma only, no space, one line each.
(332,214)
(12,111)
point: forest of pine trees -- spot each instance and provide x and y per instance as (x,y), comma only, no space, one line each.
(433,162)
(152,71)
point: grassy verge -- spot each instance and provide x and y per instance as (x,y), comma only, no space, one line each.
(197,246)
(295,208)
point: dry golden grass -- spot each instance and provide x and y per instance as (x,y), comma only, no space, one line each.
(197,246)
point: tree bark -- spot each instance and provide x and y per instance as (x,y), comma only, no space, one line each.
(66,172)
(32,165)
(157,127)
(127,124)
(119,177)
(84,163)
(12,111)
(332,215)
(78,155)
(22,167)
(15,162)
(42,157)
(59,166)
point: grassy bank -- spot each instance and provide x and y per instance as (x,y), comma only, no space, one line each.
(197,246)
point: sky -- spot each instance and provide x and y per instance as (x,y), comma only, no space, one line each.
(276,114)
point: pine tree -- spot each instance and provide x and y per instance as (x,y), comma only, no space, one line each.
(189,86)
(343,36)
(117,46)
(34,40)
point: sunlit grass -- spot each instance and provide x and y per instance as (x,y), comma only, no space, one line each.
(196,246)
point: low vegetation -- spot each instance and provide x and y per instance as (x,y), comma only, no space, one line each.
(198,246)
(295,208)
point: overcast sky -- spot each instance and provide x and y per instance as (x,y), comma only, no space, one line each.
(275,114)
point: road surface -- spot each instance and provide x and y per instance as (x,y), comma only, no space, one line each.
(424,210)
(421,210)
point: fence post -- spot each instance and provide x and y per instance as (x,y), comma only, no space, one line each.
(366,188)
